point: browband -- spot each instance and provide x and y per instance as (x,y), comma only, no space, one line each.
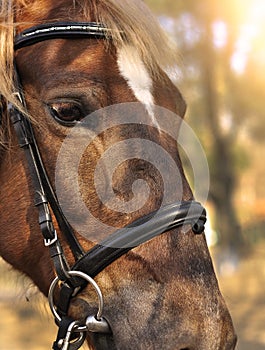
(60,30)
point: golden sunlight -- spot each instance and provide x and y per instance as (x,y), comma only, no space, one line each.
(251,34)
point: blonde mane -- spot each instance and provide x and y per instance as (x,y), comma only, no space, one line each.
(131,23)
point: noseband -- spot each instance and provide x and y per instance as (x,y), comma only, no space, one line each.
(71,334)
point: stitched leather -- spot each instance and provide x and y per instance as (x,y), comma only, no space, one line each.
(59,30)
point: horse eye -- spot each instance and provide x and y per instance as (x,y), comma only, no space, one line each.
(66,113)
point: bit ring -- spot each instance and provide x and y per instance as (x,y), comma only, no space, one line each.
(89,280)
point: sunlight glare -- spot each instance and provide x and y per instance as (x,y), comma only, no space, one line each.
(251,34)
(220,34)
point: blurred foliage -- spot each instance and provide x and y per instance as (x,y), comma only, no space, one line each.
(223,57)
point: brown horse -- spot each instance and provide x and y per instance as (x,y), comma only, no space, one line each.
(163,294)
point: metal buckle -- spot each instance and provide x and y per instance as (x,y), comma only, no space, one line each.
(50,241)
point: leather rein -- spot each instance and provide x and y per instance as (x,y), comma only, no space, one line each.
(72,279)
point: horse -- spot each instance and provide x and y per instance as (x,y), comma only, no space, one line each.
(94,66)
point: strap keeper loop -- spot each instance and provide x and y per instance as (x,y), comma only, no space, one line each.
(50,241)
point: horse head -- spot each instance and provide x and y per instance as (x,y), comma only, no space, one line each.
(96,92)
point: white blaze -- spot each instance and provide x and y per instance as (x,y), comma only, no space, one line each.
(137,76)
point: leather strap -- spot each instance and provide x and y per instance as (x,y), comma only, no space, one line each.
(142,230)
(60,30)
(103,341)
(43,190)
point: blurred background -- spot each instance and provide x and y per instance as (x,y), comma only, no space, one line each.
(221,73)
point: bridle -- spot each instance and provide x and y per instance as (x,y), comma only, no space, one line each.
(71,334)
